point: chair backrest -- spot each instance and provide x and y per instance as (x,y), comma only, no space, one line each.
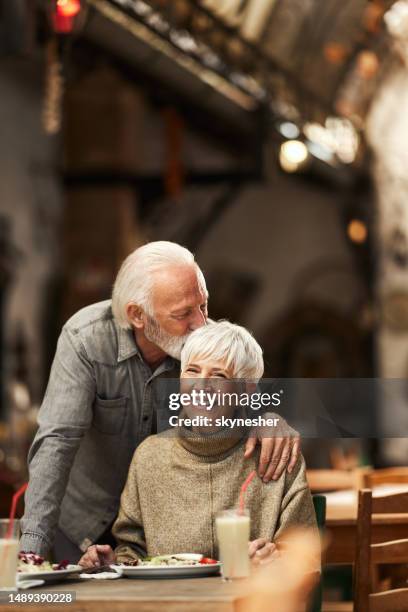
(319,503)
(397,475)
(336,480)
(369,555)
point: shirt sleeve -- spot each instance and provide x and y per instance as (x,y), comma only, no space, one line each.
(128,527)
(64,418)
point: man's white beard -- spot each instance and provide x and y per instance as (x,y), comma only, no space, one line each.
(171,345)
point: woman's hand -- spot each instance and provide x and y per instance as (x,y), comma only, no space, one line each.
(97,555)
(261,551)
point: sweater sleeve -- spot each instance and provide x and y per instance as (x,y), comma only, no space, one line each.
(128,527)
(296,506)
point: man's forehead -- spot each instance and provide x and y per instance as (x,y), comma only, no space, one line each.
(176,288)
(177,302)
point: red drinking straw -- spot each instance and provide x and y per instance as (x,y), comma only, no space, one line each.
(13,509)
(242,493)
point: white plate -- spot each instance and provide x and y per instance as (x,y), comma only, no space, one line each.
(50,576)
(29,584)
(170,571)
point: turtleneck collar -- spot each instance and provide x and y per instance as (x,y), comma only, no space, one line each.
(210,447)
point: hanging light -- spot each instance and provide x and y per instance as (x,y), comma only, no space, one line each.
(357,231)
(289,130)
(335,53)
(367,64)
(337,135)
(64,14)
(293,155)
(68,8)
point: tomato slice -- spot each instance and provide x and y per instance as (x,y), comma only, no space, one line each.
(208,561)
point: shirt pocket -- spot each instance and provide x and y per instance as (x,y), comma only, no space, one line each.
(109,415)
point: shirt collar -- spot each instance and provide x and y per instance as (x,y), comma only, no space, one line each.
(127,348)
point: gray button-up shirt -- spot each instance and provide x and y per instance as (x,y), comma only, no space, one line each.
(99,405)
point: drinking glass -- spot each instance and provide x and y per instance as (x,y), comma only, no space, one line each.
(233,529)
(9,546)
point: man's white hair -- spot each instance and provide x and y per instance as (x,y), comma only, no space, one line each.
(134,281)
(232,344)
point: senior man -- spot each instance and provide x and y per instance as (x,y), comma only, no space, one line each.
(100,400)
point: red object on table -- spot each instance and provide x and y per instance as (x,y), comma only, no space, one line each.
(63,17)
(208,561)
(243,489)
(13,508)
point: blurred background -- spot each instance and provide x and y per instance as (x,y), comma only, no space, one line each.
(267,136)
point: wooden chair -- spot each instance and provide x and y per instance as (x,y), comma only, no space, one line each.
(395,475)
(337,480)
(369,556)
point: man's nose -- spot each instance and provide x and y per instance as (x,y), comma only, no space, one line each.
(198,320)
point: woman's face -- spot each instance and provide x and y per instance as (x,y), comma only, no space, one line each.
(205,368)
(213,379)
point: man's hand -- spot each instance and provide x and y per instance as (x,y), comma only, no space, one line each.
(261,551)
(276,454)
(97,555)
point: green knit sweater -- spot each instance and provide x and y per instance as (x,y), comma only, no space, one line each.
(176,486)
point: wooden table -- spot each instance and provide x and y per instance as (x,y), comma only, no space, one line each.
(123,595)
(341,519)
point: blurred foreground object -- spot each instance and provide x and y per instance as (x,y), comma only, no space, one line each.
(286,584)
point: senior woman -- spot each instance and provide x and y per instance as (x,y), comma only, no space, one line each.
(178,483)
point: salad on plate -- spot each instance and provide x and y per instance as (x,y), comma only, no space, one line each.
(31,563)
(176,560)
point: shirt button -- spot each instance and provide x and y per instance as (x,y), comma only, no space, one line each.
(146,418)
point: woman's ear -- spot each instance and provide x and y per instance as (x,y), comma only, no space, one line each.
(135,315)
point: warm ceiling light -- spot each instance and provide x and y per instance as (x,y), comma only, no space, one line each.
(335,53)
(357,231)
(367,64)
(68,8)
(337,136)
(292,155)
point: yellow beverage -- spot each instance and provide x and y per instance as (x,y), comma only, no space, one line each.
(233,531)
(8,563)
